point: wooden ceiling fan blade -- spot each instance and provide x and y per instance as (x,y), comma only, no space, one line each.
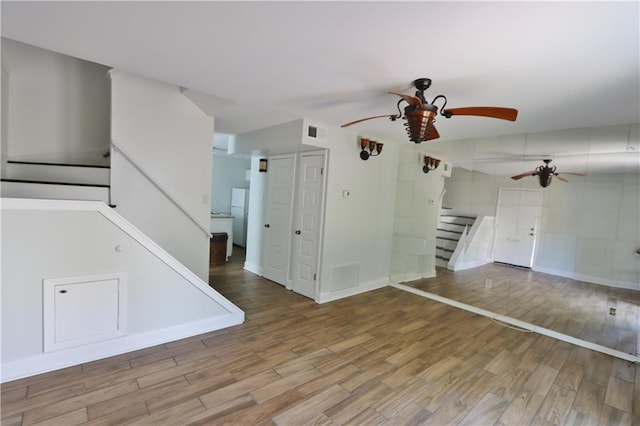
(562,179)
(433,134)
(525,174)
(571,173)
(392,116)
(411,100)
(509,114)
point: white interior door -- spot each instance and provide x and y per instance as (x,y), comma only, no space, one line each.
(308,218)
(278,219)
(517,220)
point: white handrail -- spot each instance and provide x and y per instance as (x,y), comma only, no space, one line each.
(124,155)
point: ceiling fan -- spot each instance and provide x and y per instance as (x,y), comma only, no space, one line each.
(420,114)
(545,174)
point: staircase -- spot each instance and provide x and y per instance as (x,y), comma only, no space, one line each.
(54,179)
(450,230)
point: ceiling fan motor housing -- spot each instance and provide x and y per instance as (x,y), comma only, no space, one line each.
(419,121)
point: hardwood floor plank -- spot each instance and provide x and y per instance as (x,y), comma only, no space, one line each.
(522,409)
(486,411)
(170,415)
(557,404)
(238,388)
(312,407)
(541,379)
(72,418)
(109,406)
(617,394)
(280,386)
(79,401)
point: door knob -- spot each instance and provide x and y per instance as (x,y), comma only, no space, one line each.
(266,225)
(297,232)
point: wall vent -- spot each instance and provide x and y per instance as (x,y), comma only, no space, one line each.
(316,133)
(345,276)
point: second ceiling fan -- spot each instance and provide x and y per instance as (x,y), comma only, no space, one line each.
(545,174)
(420,114)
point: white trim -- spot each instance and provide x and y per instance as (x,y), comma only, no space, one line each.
(251,267)
(522,324)
(45,362)
(129,229)
(341,294)
(587,278)
(401,278)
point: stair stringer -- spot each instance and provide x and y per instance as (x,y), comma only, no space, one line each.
(475,248)
(41,362)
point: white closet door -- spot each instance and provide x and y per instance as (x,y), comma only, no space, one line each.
(517,219)
(278,219)
(306,238)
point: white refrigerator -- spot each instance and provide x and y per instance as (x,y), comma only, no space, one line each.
(239,211)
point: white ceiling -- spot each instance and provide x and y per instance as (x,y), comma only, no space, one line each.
(563,65)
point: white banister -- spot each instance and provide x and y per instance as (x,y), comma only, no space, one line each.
(118,150)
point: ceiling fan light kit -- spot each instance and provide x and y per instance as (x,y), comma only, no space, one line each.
(375,148)
(420,115)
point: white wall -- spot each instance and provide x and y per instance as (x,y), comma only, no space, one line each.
(358,229)
(417,205)
(58,105)
(228,172)
(72,241)
(590,230)
(169,138)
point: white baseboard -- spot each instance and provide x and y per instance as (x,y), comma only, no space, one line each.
(468,265)
(253,268)
(45,362)
(403,278)
(587,278)
(341,294)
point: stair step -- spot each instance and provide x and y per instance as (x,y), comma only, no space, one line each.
(17,188)
(444,249)
(48,182)
(60,173)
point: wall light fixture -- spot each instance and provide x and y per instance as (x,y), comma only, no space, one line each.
(372,146)
(430,163)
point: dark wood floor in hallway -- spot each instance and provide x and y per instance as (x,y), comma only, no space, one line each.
(384,357)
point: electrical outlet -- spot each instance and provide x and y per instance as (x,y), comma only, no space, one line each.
(612,311)
(488,283)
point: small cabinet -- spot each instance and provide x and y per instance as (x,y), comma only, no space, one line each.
(223,223)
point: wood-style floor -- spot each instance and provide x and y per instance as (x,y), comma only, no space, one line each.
(384,357)
(574,308)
